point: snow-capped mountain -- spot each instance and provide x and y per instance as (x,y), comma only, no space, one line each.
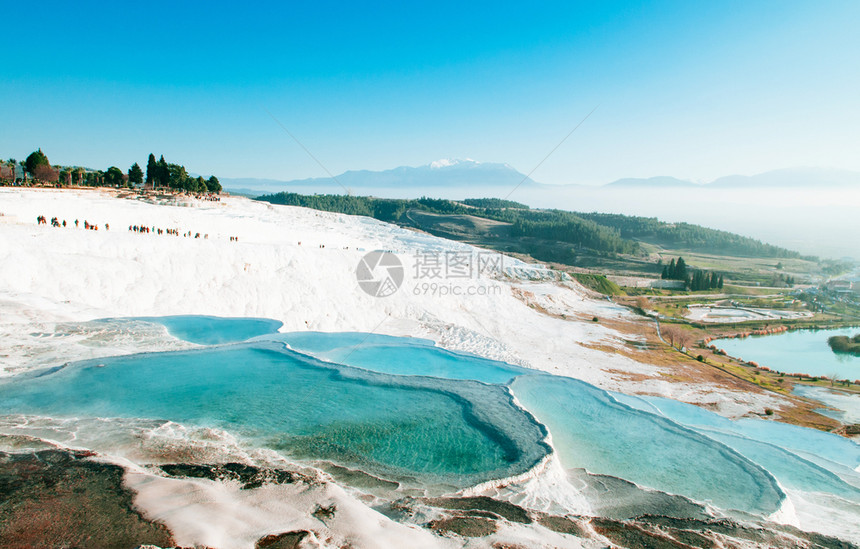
(440,175)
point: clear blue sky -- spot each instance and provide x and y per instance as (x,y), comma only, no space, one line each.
(685,88)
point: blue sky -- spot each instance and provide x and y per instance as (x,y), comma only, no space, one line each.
(690,89)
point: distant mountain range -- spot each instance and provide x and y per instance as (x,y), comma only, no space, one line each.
(793,177)
(810,210)
(652,182)
(471,176)
(441,174)
(787,178)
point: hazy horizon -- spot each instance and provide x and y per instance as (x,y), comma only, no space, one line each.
(570,93)
(454,161)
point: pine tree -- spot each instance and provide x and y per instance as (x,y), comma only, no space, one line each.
(213,185)
(36,159)
(113,176)
(135,174)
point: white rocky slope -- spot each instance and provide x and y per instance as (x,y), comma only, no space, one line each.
(278,269)
(294,265)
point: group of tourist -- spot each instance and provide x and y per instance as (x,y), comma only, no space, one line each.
(140,229)
(174,232)
(55,222)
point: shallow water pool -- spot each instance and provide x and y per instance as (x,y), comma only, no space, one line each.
(399,355)
(214,330)
(444,431)
(592,430)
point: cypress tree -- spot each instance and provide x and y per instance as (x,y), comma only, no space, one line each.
(163,172)
(681,269)
(696,281)
(151,169)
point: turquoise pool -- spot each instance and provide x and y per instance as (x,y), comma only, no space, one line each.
(407,410)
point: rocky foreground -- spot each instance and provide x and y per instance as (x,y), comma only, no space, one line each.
(65,498)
